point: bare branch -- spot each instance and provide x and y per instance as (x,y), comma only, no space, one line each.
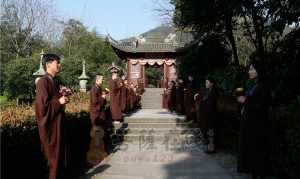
(164,10)
(25,19)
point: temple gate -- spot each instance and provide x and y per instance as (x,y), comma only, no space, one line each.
(138,54)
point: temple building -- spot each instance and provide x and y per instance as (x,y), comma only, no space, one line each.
(142,52)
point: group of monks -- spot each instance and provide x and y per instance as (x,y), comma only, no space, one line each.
(109,106)
(124,97)
(106,107)
(198,105)
(179,97)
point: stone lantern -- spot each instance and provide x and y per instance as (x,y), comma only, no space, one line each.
(41,70)
(83,78)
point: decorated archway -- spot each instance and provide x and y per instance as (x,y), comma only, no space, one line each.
(138,55)
(136,69)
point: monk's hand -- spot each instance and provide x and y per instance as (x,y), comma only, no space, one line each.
(63,100)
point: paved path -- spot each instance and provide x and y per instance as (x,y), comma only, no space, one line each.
(146,158)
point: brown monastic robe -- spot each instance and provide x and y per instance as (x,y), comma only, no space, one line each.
(132,97)
(208,111)
(165,99)
(128,98)
(97,151)
(50,115)
(123,97)
(172,99)
(115,103)
(198,100)
(189,102)
(138,93)
(97,104)
(180,98)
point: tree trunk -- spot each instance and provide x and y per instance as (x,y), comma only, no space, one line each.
(258,27)
(229,33)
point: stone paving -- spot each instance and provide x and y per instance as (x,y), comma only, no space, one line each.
(178,158)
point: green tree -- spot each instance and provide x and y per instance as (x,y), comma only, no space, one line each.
(78,44)
(19,81)
(204,57)
(264,21)
(154,75)
(209,17)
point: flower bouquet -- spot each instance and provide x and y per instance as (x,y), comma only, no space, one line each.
(65,91)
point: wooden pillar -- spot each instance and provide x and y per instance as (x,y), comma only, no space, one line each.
(142,75)
(128,70)
(165,81)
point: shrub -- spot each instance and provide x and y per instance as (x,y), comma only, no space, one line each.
(19,79)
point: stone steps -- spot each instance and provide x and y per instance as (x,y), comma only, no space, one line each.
(178,138)
(151,106)
(154,120)
(161,145)
(161,131)
(166,127)
(152,98)
(159,125)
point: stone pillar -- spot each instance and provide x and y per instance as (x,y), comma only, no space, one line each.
(41,70)
(83,79)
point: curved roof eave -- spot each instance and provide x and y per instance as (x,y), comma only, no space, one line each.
(152,48)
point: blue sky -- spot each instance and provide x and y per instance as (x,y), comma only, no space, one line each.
(119,18)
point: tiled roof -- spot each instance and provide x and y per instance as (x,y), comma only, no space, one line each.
(136,47)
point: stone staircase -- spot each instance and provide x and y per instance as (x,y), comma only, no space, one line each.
(158,125)
(152,98)
(161,145)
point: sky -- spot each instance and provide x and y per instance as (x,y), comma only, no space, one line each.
(119,18)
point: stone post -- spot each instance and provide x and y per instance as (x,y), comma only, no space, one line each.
(83,79)
(38,74)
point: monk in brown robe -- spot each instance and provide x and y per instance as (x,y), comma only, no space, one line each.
(138,95)
(180,96)
(123,95)
(97,102)
(132,96)
(198,97)
(165,95)
(164,99)
(115,85)
(127,106)
(189,102)
(172,96)
(209,114)
(97,115)
(49,108)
